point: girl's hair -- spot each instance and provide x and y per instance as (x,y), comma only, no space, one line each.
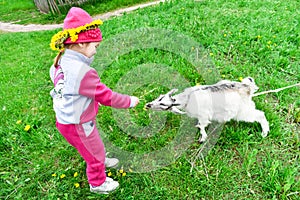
(57,58)
(66,46)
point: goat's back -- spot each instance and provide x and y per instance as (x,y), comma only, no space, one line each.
(219,105)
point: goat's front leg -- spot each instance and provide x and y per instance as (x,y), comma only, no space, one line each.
(261,118)
(177,111)
(256,116)
(202,126)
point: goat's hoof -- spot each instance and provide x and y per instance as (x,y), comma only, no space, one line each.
(201,141)
(264,134)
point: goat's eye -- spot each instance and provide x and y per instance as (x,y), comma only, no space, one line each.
(251,80)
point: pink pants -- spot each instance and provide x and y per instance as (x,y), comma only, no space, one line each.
(85,138)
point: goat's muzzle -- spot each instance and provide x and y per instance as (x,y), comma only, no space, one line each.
(148,106)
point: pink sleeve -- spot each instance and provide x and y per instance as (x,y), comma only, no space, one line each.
(91,87)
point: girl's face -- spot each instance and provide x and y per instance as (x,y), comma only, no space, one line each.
(89,49)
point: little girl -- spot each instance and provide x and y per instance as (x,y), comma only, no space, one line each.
(78,92)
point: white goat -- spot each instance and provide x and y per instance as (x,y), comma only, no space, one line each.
(221,102)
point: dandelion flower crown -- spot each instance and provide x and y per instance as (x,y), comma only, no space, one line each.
(57,41)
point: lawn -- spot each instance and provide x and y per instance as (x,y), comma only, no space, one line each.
(25,12)
(145,53)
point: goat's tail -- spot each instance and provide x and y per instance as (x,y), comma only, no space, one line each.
(277,90)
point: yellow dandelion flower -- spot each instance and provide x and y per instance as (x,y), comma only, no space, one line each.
(258,37)
(76,185)
(124,174)
(225,34)
(62,176)
(223,76)
(241,79)
(19,122)
(75,174)
(27,127)
(54,175)
(121,171)
(78,29)
(98,21)
(57,41)
(109,174)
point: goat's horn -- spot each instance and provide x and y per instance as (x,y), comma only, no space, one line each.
(172,91)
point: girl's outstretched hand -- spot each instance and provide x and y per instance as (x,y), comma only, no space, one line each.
(134,101)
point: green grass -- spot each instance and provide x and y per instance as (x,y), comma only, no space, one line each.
(25,12)
(244,38)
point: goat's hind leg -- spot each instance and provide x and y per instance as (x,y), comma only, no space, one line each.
(256,116)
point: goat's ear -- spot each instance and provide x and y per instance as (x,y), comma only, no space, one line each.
(172,91)
(248,80)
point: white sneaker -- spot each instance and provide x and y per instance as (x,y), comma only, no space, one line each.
(111,162)
(108,186)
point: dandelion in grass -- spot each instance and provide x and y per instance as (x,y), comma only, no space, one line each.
(54,175)
(122,172)
(109,174)
(240,78)
(62,176)
(75,174)
(259,37)
(27,128)
(76,185)
(19,122)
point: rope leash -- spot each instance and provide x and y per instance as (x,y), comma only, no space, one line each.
(277,90)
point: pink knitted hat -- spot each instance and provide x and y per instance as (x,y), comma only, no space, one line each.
(77,18)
